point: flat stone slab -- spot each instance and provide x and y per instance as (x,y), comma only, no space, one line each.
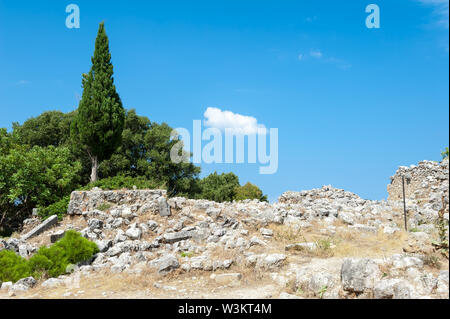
(171,238)
(48,223)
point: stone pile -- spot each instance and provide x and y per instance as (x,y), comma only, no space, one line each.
(137,230)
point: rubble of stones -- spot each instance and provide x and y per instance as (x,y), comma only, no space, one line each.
(181,234)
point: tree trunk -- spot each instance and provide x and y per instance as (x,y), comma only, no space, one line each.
(94,173)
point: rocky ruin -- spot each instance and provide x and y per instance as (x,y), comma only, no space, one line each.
(320,243)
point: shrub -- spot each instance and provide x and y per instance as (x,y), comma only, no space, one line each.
(250,191)
(40,265)
(71,249)
(13,267)
(48,261)
(219,188)
(76,248)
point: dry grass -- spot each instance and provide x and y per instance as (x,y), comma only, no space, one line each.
(285,235)
(352,243)
(94,285)
(345,243)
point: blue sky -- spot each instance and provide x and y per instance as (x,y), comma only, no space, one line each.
(351,104)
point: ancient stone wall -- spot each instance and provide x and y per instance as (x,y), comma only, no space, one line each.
(426,189)
(423,180)
(83,201)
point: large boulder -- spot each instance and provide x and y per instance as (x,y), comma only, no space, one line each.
(359,274)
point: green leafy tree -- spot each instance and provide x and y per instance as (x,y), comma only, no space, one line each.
(33,177)
(145,152)
(52,128)
(129,156)
(219,188)
(99,122)
(49,128)
(250,191)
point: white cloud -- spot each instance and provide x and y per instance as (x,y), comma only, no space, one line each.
(300,56)
(441,9)
(236,123)
(316,54)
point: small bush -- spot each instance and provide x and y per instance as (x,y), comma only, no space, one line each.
(40,265)
(48,261)
(13,267)
(250,191)
(71,249)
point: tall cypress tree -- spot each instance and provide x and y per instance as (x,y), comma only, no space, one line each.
(99,122)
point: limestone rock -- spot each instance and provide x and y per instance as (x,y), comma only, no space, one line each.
(359,274)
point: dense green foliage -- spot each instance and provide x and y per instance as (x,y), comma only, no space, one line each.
(51,128)
(226,188)
(12,266)
(219,188)
(59,208)
(71,249)
(48,261)
(250,191)
(98,124)
(145,152)
(48,156)
(32,177)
